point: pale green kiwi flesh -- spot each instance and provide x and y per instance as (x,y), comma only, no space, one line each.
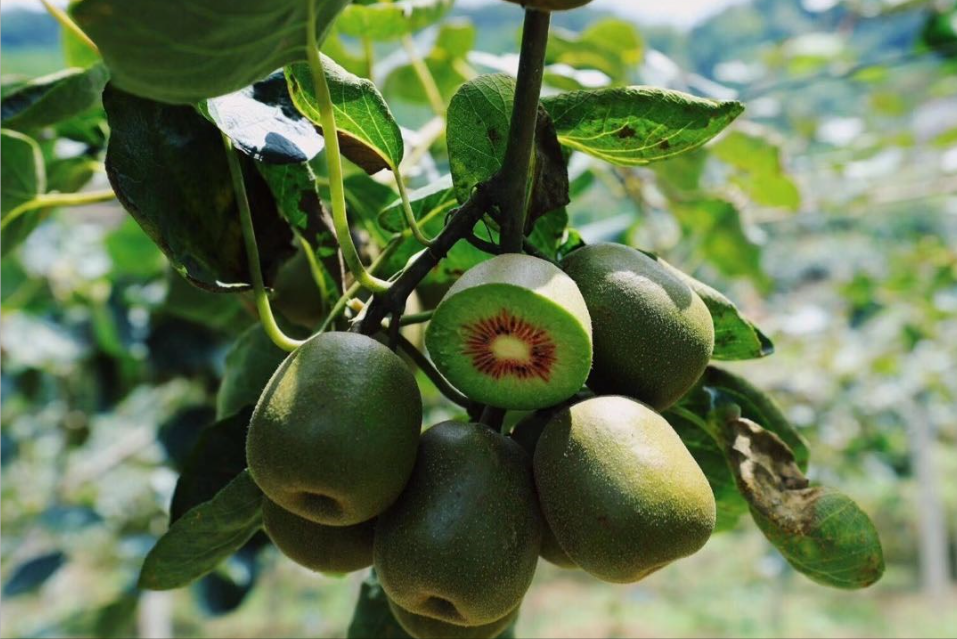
(513,332)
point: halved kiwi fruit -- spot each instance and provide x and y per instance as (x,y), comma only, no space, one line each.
(513,332)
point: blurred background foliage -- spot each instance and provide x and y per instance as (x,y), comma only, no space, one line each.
(828,213)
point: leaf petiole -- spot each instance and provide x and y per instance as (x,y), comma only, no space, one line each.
(407,211)
(51,200)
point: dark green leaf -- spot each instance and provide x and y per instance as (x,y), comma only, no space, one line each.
(368,134)
(262,121)
(391,20)
(33,573)
(199,540)
(631,126)
(69,175)
(822,533)
(735,336)
(222,313)
(22,178)
(760,407)
(478,129)
(54,98)
(168,167)
(250,363)
(117,618)
(182,51)
(372,617)
(549,231)
(218,456)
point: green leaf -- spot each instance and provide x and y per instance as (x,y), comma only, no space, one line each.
(22,178)
(209,533)
(217,458)
(478,128)
(372,617)
(250,362)
(821,532)
(263,123)
(53,98)
(760,407)
(735,336)
(718,230)
(133,253)
(168,168)
(760,170)
(182,51)
(446,62)
(632,126)
(391,20)
(76,52)
(436,198)
(368,134)
(69,175)
(709,456)
(549,231)
(222,313)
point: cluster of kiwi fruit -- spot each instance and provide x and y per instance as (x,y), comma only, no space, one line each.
(454,519)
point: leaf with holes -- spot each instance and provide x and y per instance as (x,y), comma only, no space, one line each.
(263,123)
(53,98)
(368,134)
(182,51)
(631,126)
(209,533)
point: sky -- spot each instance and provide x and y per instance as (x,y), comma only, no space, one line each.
(680,13)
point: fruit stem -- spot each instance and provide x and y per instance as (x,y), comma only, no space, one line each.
(353,290)
(432,373)
(327,116)
(493,417)
(315,269)
(266,317)
(521,136)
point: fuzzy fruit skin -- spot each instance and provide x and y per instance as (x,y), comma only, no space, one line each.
(461,543)
(619,489)
(551,5)
(334,435)
(653,335)
(427,628)
(333,549)
(534,291)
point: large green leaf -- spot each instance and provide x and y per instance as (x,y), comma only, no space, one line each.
(184,51)
(478,128)
(168,167)
(821,532)
(368,133)
(632,126)
(760,407)
(262,121)
(391,20)
(22,178)
(735,336)
(199,540)
(53,98)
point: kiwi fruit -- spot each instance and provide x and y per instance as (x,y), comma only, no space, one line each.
(653,335)
(513,332)
(332,549)
(333,438)
(551,5)
(462,542)
(619,489)
(428,628)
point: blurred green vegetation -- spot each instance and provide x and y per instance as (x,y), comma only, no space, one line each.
(829,216)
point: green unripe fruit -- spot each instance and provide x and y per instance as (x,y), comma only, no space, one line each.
(513,332)
(427,628)
(653,335)
(461,543)
(334,435)
(551,5)
(619,489)
(335,549)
